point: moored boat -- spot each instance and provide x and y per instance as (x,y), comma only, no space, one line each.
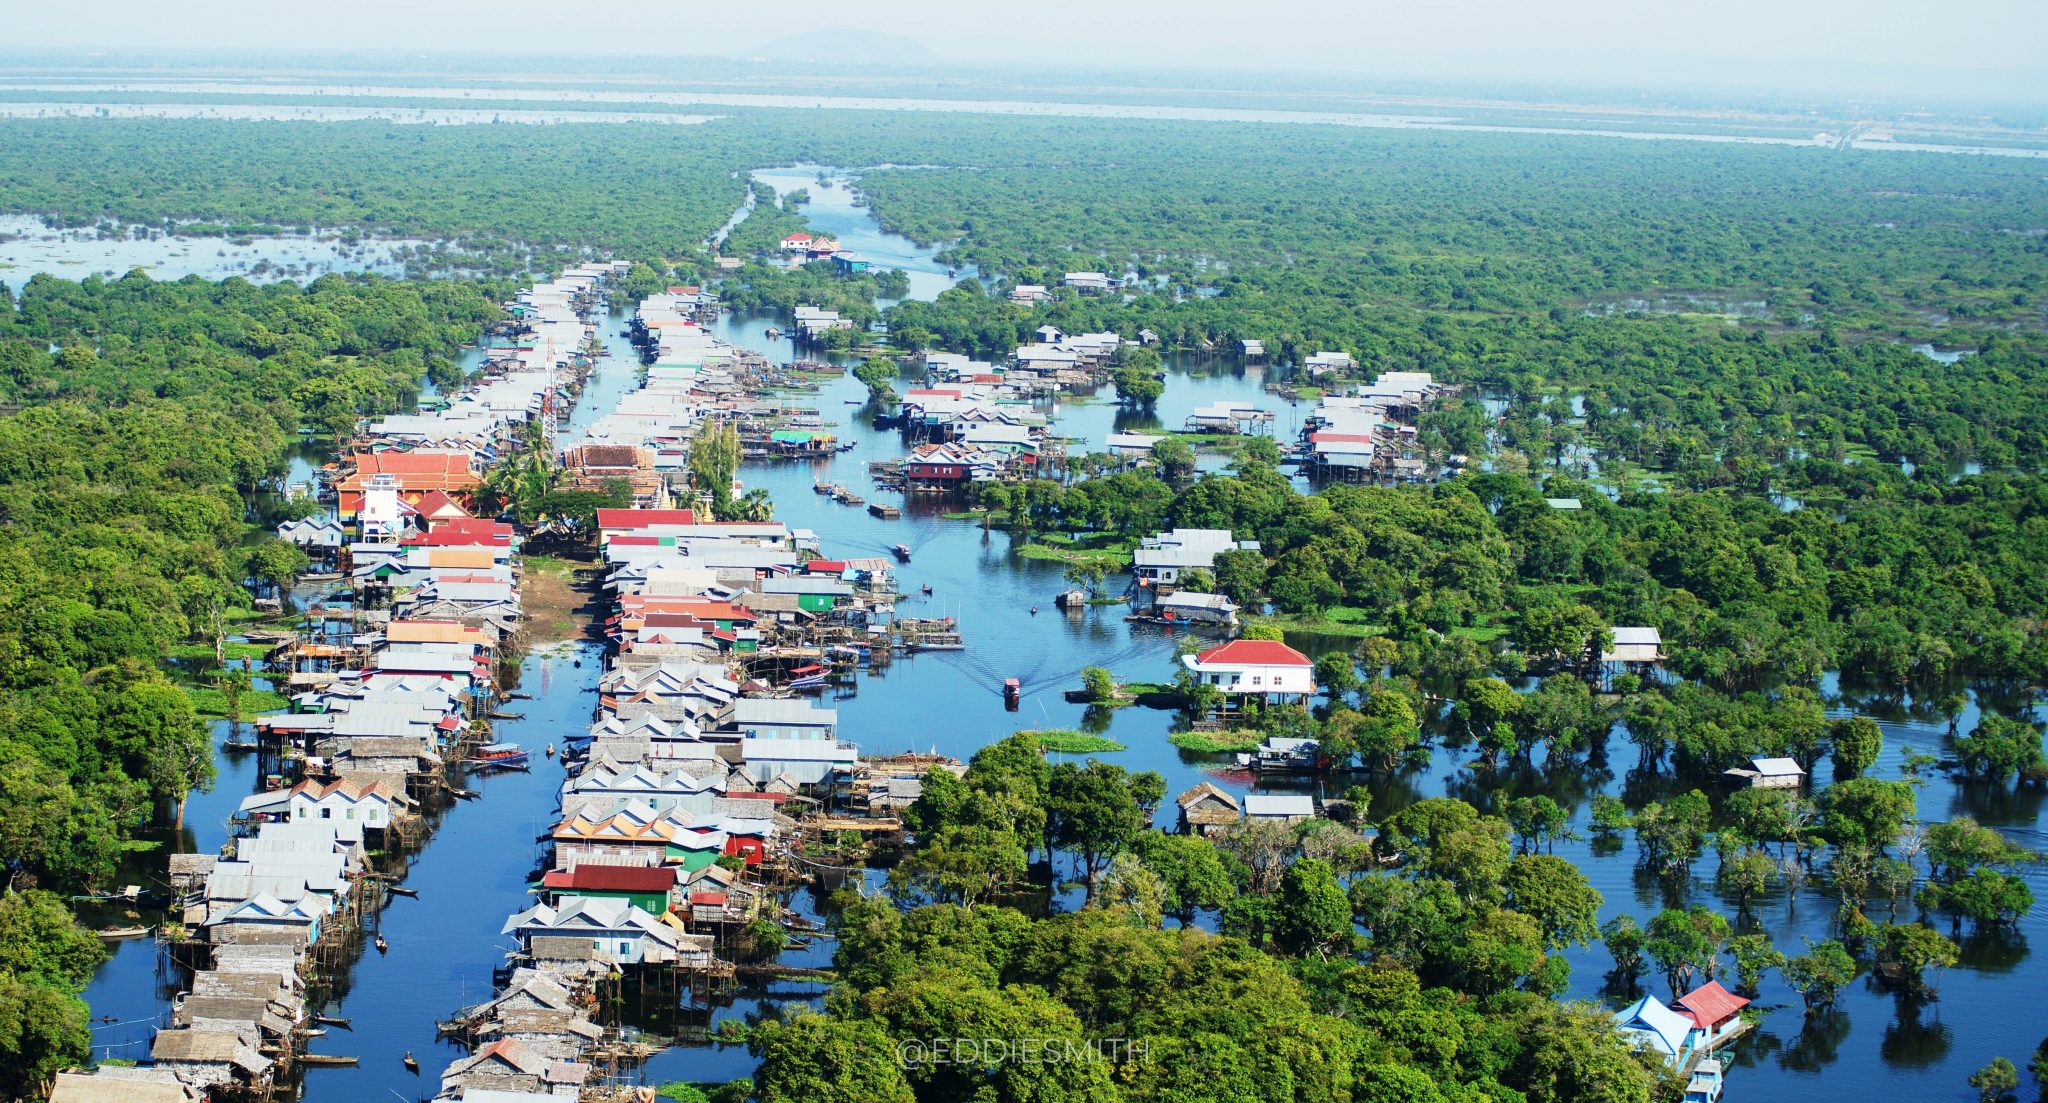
(505,755)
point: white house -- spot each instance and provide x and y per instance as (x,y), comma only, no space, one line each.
(1027,294)
(1088,281)
(313,532)
(1635,645)
(1279,807)
(370,804)
(1267,668)
(1654,1027)
(617,931)
(1324,363)
(1165,556)
(1769,773)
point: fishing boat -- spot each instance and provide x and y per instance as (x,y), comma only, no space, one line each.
(464,794)
(241,745)
(901,552)
(382,946)
(327,1060)
(412,1064)
(1705,1084)
(333,1020)
(507,756)
(927,589)
(1013,694)
(772,333)
(122,934)
(1072,599)
(825,488)
(401,890)
(808,676)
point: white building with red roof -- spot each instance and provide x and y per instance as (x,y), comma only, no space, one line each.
(1265,667)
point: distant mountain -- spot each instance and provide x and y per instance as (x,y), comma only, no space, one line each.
(847,46)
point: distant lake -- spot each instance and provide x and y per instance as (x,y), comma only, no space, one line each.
(849,103)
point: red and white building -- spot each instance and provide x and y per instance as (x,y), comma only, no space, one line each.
(1266,668)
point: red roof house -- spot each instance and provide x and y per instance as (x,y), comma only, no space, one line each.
(1710,1007)
(1265,667)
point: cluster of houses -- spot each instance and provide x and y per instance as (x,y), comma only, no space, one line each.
(1086,283)
(1369,432)
(389,701)
(687,785)
(261,911)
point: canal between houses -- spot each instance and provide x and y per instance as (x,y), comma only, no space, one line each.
(473,871)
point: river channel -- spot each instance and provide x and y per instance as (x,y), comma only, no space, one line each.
(444,944)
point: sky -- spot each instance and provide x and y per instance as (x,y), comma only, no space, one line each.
(1853,45)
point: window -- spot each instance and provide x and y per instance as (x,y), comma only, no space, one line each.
(327,813)
(625,947)
(1215,679)
(351,813)
(1256,679)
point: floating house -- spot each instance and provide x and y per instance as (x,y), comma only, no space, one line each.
(1190,607)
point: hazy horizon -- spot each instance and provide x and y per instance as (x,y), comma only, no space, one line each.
(1898,48)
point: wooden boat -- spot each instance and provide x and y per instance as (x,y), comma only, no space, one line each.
(464,794)
(122,934)
(500,714)
(825,488)
(240,745)
(327,1060)
(808,676)
(1072,599)
(412,1064)
(927,589)
(382,946)
(401,890)
(1706,1082)
(316,1032)
(885,511)
(501,755)
(901,552)
(1013,694)
(847,499)
(333,1020)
